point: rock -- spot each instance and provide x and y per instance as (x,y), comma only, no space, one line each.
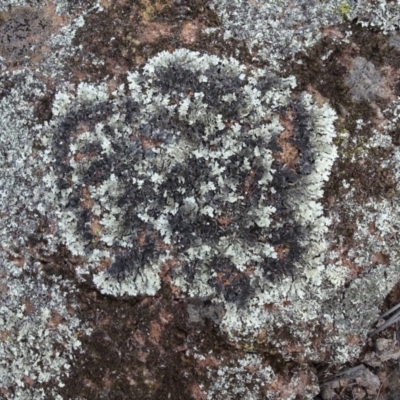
(372,359)
(197,199)
(369,381)
(382,344)
(358,393)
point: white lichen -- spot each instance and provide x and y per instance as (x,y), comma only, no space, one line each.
(278,30)
(257,380)
(37,332)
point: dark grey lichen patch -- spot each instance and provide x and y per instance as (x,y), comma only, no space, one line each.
(228,281)
(365,81)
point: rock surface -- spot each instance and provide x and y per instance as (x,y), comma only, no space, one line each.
(199,200)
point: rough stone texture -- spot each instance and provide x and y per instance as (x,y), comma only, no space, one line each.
(199,200)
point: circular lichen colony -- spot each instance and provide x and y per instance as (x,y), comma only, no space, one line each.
(189,175)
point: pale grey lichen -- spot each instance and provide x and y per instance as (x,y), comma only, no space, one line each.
(37,332)
(275,30)
(302,289)
(278,30)
(254,378)
(379,14)
(30,346)
(22,203)
(162,164)
(377,253)
(73,7)
(257,380)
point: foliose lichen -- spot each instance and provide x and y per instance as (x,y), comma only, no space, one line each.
(35,323)
(377,257)
(201,174)
(278,30)
(37,332)
(22,202)
(181,169)
(274,31)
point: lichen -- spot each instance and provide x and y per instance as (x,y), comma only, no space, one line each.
(197,180)
(181,170)
(278,30)
(366,81)
(274,31)
(37,332)
(22,203)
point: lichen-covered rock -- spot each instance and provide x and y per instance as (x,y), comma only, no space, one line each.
(24,30)
(188,216)
(277,30)
(365,81)
(37,332)
(203,173)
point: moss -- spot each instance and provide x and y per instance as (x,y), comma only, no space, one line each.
(343,10)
